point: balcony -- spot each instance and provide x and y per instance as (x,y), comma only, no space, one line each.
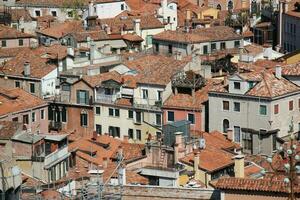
(55,126)
(56,156)
(104,98)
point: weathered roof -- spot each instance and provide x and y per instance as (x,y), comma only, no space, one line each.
(16,99)
(27,138)
(9,128)
(199,35)
(7,32)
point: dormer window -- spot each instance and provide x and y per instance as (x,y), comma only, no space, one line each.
(251,84)
(237,85)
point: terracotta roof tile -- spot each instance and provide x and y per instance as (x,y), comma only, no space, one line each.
(96,80)
(117,23)
(39,60)
(215,156)
(199,35)
(15,100)
(7,32)
(186,101)
(11,52)
(252,170)
(246,184)
(47,3)
(9,128)
(270,86)
(19,13)
(61,29)
(161,68)
(132,37)
(291,70)
(95,35)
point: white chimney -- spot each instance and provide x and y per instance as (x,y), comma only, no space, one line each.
(108,31)
(196,164)
(70,51)
(92,52)
(91,8)
(26,69)
(239,166)
(137,26)
(278,72)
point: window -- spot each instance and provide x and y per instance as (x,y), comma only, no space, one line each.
(3,43)
(70,14)
(145,93)
(262,109)
(223,45)
(111,112)
(42,114)
(276,109)
(149,39)
(205,49)
(15,119)
(171,116)
(82,97)
(25,119)
(230,5)
(299,103)
(274,139)
(225,105)
(117,113)
(37,13)
(138,117)
(237,134)
(237,106)
(138,135)
(54,13)
(98,129)
(251,84)
(64,114)
(17,84)
(236,44)
(159,95)
(33,116)
(158,119)
(237,85)
(32,88)
(156,47)
(219,7)
(247,141)
(213,46)
(114,131)
(158,135)
(122,6)
(191,118)
(83,119)
(108,91)
(291,105)
(21,42)
(170,50)
(98,111)
(130,114)
(225,125)
(66,87)
(130,133)
(169,19)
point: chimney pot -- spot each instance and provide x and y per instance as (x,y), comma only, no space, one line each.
(26,69)
(278,72)
(239,166)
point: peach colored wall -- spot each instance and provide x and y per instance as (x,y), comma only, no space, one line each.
(80,86)
(182,115)
(12,43)
(39,125)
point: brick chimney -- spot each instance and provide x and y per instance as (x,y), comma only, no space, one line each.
(137,26)
(26,69)
(239,166)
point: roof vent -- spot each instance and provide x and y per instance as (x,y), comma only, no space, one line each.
(202,144)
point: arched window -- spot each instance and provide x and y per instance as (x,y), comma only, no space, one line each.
(225,125)
(219,7)
(230,5)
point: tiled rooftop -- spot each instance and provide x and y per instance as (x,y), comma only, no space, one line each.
(199,35)
(9,128)
(7,32)
(15,100)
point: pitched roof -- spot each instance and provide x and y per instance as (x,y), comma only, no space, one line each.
(270,86)
(20,13)
(7,32)
(105,147)
(291,70)
(95,35)
(15,100)
(199,35)
(11,52)
(39,60)
(259,185)
(216,154)
(47,3)
(132,37)
(126,22)
(155,69)
(61,29)
(186,101)
(96,80)
(9,128)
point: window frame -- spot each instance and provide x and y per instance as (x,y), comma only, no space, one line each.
(276,109)
(260,110)
(21,42)
(224,102)
(17,83)
(138,133)
(237,85)
(130,114)
(33,117)
(291,105)
(145,93)
(3,43)
(32,88)
(97,110)
(168,118)
(42,114)
(193,120)
(83,123)
(239,106)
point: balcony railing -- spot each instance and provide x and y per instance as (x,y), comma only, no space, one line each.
(104,98)
(56,155)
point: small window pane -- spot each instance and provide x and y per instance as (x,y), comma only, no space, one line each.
(171,116)
(97,110)
(130,114)
(191,118)
(225,105)
(237,106)
(263,110)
